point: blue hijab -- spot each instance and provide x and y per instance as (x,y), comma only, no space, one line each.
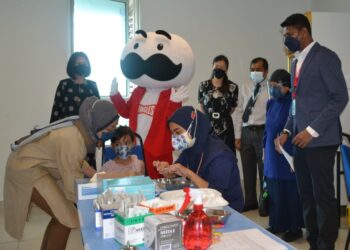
(219,165)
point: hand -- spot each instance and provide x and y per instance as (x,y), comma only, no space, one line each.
(280,141)
(179,169)
(89,171)
(161,166)
(238,144)
(180,94)
(302,139)
(114,87)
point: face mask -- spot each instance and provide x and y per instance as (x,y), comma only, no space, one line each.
(81,69)
(292,44)
(257,76)
(276,93)
(181,142)
(122,151)
(106,136)
(219,73)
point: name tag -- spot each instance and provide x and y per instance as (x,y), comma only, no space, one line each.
(293,107)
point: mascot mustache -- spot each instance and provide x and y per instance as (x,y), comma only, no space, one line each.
(157,66)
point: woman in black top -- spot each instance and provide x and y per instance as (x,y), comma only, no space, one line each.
(218,98)
(71,92)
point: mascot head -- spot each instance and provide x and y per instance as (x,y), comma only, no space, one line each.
(157,60)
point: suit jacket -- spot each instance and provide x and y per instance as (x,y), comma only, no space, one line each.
(321,96)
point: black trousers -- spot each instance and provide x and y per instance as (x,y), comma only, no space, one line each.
(314,171)
(251,155)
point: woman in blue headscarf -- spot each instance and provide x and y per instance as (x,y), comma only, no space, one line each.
(204,158)
(285,215)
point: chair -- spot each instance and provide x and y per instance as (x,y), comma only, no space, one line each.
(345,156)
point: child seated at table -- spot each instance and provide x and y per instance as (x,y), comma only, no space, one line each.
(124,164)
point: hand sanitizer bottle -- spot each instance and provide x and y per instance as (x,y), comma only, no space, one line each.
(197,234)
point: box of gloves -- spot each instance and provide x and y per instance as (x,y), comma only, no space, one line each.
(130,229)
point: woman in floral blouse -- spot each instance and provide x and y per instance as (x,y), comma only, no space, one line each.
(71,92)
(218,98)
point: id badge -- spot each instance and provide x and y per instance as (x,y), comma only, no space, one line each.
(293,107)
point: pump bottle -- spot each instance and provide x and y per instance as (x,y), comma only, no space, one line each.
(197,234)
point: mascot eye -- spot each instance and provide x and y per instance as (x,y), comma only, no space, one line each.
(160,46)
(136,45)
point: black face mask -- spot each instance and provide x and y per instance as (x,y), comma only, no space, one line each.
(81,69)
(219,73)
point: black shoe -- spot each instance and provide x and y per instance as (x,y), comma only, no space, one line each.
(249,207)
(273,231)
(292,236)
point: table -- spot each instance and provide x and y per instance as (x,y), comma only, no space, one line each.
(93,239)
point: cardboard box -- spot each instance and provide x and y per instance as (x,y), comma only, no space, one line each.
(131,185)
(130,229)
(86,190)
(163,232)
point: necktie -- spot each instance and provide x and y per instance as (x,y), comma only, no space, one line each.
(250,104)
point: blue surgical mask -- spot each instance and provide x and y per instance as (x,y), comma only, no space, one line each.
(257,76)
(106,136)
(276,93)
(122,151)
(181,142)
(292,43)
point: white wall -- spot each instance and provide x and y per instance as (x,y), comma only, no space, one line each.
(34,48)
(240,29)
(330,5)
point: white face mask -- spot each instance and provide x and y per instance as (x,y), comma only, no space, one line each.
(257,76)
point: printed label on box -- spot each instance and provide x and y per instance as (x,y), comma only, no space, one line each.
(163,232)
(130,229)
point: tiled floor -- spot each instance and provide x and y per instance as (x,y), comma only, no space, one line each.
(38,220)
(33,233)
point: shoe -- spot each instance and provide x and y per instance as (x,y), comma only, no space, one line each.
(292,236)
(273,231)
(249,207)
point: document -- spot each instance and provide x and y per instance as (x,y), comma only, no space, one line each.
(249,239)
(288,157)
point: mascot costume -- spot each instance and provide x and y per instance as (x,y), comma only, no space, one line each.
(160,64)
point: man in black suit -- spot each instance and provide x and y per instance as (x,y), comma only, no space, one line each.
(319,96)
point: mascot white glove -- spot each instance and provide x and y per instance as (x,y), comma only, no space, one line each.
(114,87)
(179,95)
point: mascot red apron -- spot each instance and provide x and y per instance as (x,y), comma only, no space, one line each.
(160,64)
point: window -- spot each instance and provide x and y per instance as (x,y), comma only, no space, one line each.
(101,29)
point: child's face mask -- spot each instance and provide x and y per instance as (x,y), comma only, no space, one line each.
(122,151)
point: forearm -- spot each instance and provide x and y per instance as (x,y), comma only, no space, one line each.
(197,180)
